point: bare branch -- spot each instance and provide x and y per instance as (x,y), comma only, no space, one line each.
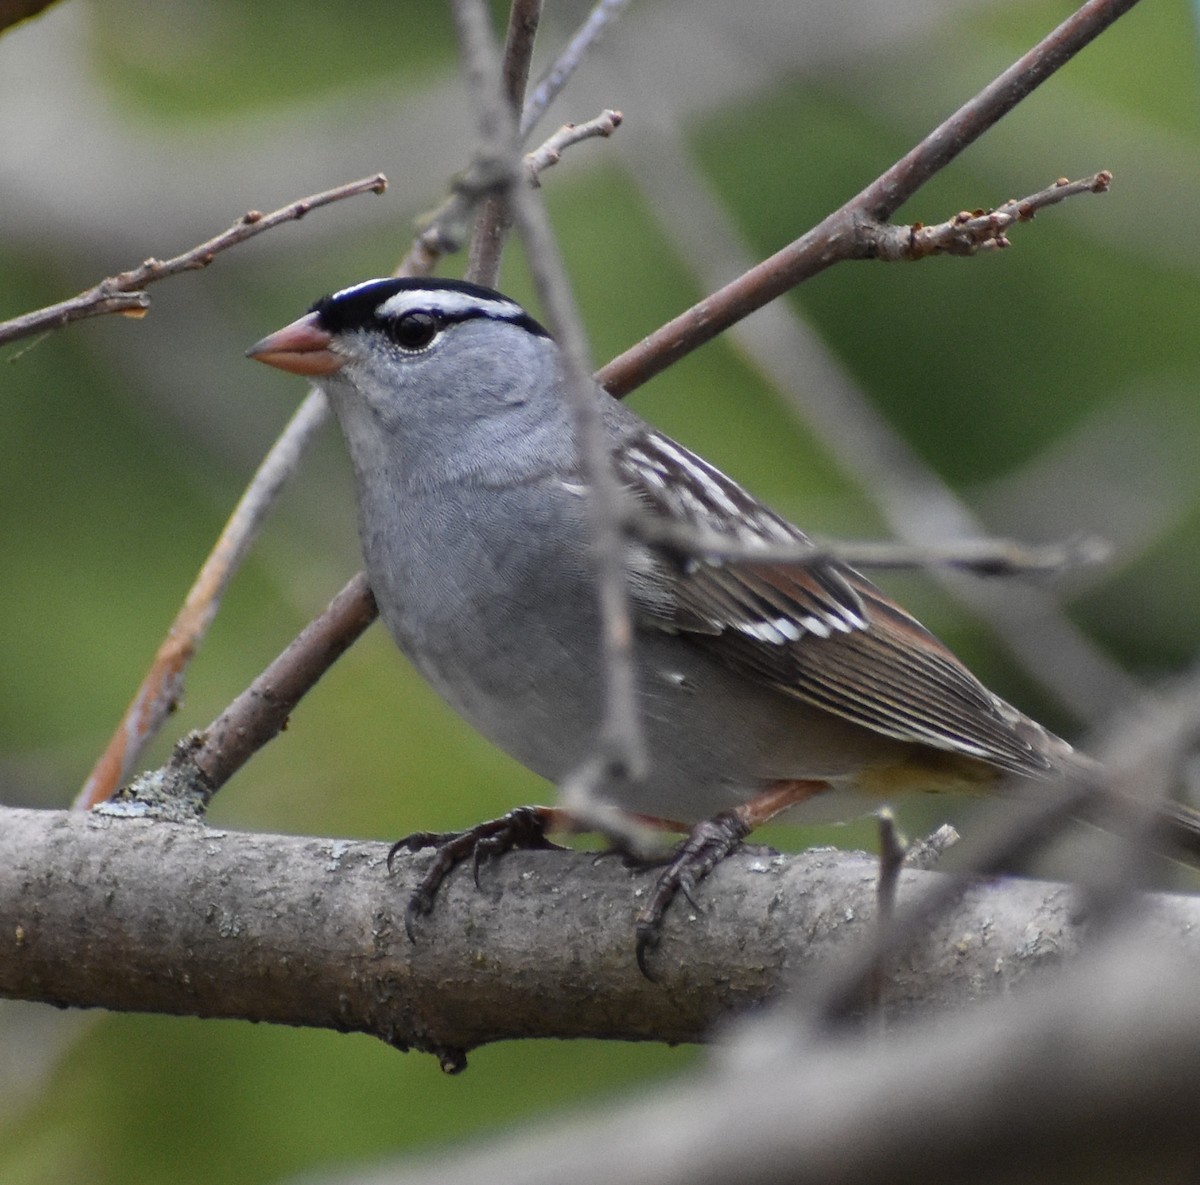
(553,81)
(916,504)
(261,711)
(162,686)
(494,220)
(986,557)
(1093,1079)
(545,948)
(620,748)
(848,233)
(550,152)
(970,232)
(841,235)
(122,293)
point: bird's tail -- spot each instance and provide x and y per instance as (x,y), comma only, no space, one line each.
(1175,825)
(1179,829)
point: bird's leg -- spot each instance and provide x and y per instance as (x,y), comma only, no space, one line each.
(708,843)
(633,855)
(525,827)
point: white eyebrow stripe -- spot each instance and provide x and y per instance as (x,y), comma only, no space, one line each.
(450,304)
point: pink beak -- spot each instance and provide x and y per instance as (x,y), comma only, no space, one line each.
(301,348)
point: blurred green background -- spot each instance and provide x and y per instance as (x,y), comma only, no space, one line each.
(1053,386)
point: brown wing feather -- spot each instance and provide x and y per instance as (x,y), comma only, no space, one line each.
(822,633)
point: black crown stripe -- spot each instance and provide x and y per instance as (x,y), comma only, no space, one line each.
(358,307)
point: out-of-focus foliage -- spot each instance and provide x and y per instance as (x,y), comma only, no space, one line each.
(128,130)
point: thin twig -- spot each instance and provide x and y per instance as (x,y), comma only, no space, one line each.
(445,229)
(162,687)
(892,851)
(620,751)
(970,232)
(553,81)
(122,293)
(494,219)
(550,152)
(987,557)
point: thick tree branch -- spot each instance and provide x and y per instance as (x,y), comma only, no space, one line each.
(310,932)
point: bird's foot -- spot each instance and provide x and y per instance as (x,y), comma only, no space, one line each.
(525,827)
(708,843)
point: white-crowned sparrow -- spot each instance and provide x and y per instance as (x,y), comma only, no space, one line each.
(759,685)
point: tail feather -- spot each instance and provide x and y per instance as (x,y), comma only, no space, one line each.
(1176,826)
(1179,826)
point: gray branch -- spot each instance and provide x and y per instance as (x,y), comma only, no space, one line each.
(142,915)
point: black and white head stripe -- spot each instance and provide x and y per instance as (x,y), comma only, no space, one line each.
(376,303)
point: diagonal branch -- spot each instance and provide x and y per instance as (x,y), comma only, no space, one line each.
(123,293)
(550,85)
(916,504)
(162,685)
(840,236)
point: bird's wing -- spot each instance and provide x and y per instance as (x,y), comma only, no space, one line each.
(818,631)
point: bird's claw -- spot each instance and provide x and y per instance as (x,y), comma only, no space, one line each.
(524,827)
(709,842)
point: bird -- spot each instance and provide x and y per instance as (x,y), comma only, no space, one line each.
(760,685)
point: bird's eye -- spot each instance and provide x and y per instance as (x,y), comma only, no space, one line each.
(415,330)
